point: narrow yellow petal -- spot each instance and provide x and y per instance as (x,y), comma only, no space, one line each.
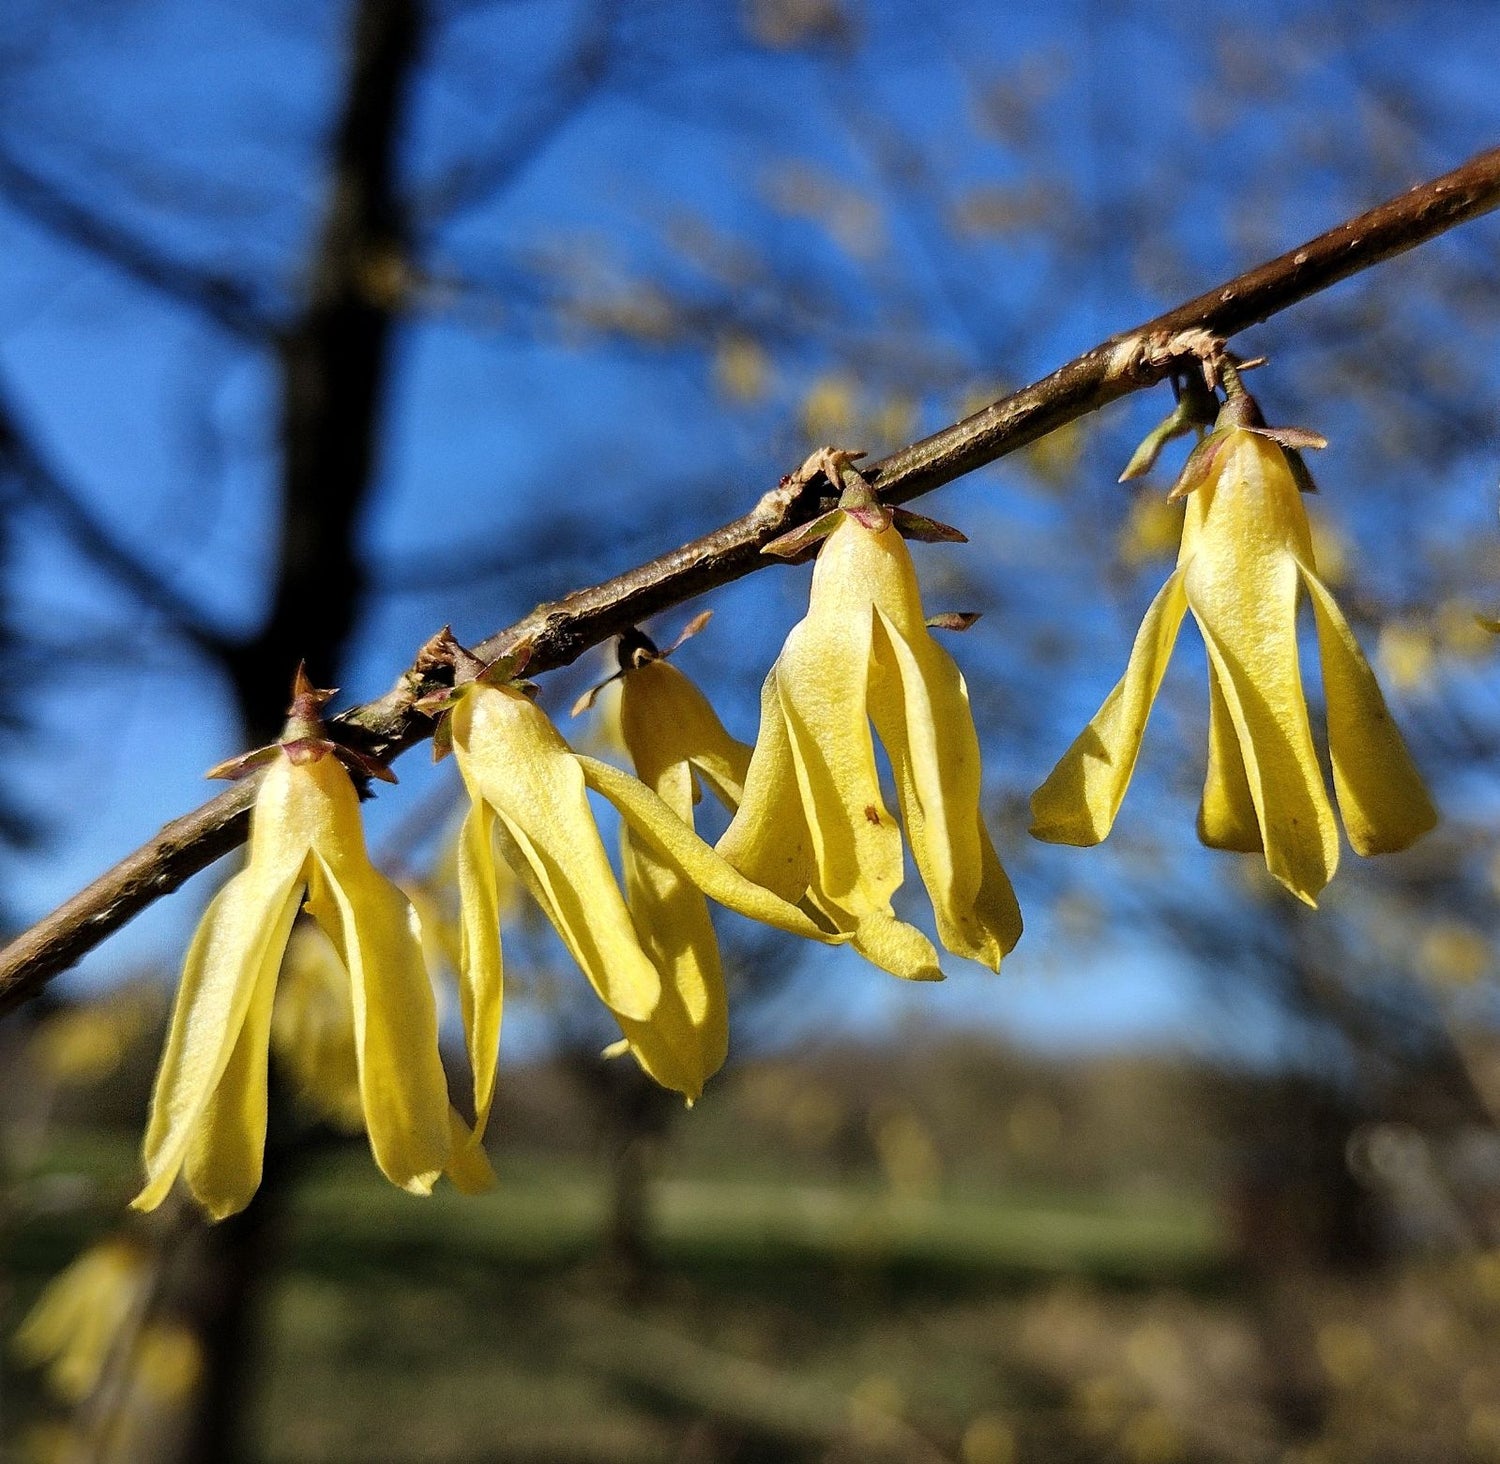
(238,945)
(687,1038)
(469,1168)
(897,947)
(768,839)
(513,758)
(665,720)
(1242,585)
(481,970)
(1384,803)
(1226,816)
(920,707)
(224,1160)
(675,843)
(1078,802)
(395,1017)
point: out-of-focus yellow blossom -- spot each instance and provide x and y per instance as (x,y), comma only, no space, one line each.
(1152,530)
(208,1111)
(529,793)
(675,742)
(1246,556)
(77,1320)
(813,823)
(312,1029)
(168,1362)
(86,1043)
(1407,654)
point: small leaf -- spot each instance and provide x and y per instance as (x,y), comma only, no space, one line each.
(798,541)
(926,530)
(956,620)
(246,762)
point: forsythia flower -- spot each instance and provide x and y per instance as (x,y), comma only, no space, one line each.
(208,1112)
(77,1320)
(813,823)
(530,794)
(675,742)
(1246,554)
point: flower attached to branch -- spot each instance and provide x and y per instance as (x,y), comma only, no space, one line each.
(676,743)
(813,824)
(208,1111)
(529,793)
(1246,556)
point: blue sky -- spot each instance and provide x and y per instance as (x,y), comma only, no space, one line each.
(838,174)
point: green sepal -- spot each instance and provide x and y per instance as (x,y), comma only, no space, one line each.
(926,530)
(798,541)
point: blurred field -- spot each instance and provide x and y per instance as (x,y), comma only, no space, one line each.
(861,1285)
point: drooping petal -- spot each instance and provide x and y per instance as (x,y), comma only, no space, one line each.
(238,944)
(920,708)
(1078,802)
(469,1166)
(1226,816)
(654,824)
(481,970)
(1384,803)
(1242,585)
(767,839)
(224,1159)
(897,947)
(822,679)
(666,720)
(395,1017)
(513,758)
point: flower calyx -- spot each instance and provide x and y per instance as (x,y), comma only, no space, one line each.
(468,671)
(304,739)
(857,500)
(1241,413)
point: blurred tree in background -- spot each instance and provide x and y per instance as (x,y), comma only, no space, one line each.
(323,326)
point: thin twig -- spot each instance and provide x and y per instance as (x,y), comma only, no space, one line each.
(562,630)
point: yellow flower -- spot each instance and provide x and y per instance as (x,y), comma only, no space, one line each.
(675,742)
(813,823)
(529,794)
(208,1111)
(1246,555)
(77,1320)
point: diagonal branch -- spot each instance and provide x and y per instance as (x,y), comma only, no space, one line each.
(45,486)
(562,630)
(224,301)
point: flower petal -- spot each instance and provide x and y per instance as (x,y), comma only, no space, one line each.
(1078,802)
(224,1160)
(1383,800)
(767,839)
(513,758)
(238,945)
(897,947)
(666,720)
(687,1038)
(676,844)
(920,708)
(1226,816)
(469,1168)
(374,928)
(481,970)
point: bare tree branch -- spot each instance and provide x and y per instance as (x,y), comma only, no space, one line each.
(560,631)
(224,301)
(45,486)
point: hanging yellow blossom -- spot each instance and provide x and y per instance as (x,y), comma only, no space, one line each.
(312,1029)
(208,1111)
(813,823)
(529,794)
(675,742)
(1246,556)
(74,1326)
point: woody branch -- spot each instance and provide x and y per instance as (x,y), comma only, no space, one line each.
(561,630)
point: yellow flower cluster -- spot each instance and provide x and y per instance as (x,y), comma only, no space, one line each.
(811,847)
